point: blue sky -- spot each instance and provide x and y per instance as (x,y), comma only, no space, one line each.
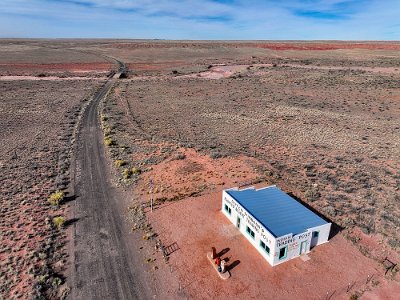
(202,19)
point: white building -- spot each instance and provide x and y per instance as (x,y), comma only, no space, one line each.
(277,225)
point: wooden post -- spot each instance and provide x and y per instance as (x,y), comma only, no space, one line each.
(213,253)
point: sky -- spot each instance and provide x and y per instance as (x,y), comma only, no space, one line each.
(202,19)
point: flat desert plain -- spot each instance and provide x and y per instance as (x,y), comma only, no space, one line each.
(186,120)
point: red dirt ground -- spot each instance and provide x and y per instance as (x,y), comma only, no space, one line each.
(195,174)
(196,224)
(333,46)
(27,68)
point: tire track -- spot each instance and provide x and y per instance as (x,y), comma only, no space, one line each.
(104,266)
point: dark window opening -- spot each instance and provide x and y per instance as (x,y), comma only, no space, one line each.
(250,232)
(282,253)
(265,247)
(228,209)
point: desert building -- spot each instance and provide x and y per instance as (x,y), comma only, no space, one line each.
(278,226)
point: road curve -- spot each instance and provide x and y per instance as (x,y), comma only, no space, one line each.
(104,265)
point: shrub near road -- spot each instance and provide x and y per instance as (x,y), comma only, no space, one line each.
(37,120)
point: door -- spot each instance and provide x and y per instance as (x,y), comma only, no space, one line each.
(238,222)
(314,239)
(303,247)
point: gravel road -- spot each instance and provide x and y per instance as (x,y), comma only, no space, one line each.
(104,262)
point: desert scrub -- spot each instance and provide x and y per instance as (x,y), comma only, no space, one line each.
(59,222)
(215,155)
(179,156)
(120,163)
(136,171)
(103,117)
(56,282)
(108,141)
(56,197)
(312,194)
(127,173)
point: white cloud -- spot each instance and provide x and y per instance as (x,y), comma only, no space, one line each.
(201,19)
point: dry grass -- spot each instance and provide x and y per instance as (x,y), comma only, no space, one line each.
(55,198)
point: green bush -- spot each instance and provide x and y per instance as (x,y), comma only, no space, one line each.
(56,281)
(59,222)
(56,197)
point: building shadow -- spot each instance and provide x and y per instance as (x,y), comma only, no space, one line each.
(335,228)
(232,265)
(223,252)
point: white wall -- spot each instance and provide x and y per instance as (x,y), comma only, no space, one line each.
(293,243)
(260,233)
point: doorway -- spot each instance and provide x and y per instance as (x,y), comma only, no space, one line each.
(238,222)
(303,247)
(314,239)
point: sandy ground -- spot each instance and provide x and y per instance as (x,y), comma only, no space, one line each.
(190,227)
(349,88)
(196,224)
(48,78)
(38,121)
(195,174)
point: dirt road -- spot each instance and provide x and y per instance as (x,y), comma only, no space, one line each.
(104,262)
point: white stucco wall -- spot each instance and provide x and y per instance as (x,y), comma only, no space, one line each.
(260,233)
(293,243)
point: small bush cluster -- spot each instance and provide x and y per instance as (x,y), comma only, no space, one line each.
(59,222)
(180,156)
(136,171)
(354,297)
(108,141)
(103,117)
(215,155)
(312,194)
(120,163)
(127,173)
(56,197)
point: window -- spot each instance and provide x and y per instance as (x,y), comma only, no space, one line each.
(228,209)
(315,234)
(282,253)
(265,247)
(250,232)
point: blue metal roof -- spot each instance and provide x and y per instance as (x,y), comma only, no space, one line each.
(276,211)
